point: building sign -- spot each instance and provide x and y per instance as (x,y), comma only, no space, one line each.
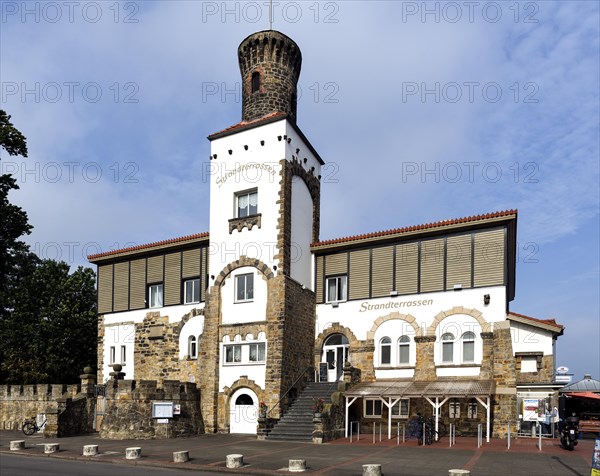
(251,172)
(367,306)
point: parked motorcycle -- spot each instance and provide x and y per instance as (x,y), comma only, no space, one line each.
(569,432)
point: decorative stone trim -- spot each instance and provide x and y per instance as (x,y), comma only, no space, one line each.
(393,316)
(240,263)
(242,382)
(474,313)
(519,359)
(428,338)
(246,222)
(487,335)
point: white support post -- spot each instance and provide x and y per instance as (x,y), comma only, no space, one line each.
(487,407)
(346,417)
(436,408)
(487,426)
(389,404)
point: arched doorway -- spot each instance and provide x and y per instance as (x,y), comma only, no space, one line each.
(243,412)
(335,353)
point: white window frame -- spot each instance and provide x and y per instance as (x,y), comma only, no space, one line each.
(468,338)
(387,343)
(454,409)
(341,288)
(155,290)
(246,297)
(449,343)
(261,348)
(195,284)
(249,194)
(112,354)
(403,344)
(397,409)
(123,355)
(236,352)
(472,410)
(372,403)
(192,347)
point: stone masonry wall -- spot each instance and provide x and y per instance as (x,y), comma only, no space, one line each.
(68,410)
(156,355)
(128,411)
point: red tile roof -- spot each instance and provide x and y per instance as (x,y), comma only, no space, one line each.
(426,226)
(255,122)
(181,239)
(548,322)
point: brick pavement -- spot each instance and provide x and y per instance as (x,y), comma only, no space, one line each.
(338,458)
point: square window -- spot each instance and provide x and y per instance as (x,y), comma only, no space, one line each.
(244,287)
(257,352)
(472,410)
(337,288)
(454,409)
(372,408)
(400,409)
(246,203)
(155,293)
(191,291)
(233,354)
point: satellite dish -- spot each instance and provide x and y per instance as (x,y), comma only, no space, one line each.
(562,369)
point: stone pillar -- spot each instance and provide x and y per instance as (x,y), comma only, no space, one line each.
(51,427)
(425,365)
(487,363)
(88,381)
(504,374)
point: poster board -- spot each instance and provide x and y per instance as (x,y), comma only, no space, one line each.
(596,458)
(162,410)
(531,407)
(323,372)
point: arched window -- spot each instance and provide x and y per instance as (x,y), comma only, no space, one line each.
(404,350)
(336,339)
(447,348)
(468,347)
(385,351)
(192,347)
(255,81)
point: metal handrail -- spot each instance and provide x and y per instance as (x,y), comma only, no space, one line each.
(289,389)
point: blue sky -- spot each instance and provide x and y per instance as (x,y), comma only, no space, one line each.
(434,110)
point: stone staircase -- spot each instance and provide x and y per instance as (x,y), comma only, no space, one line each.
(297,423)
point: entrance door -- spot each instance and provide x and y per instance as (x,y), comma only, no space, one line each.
(335,353)
(243,414)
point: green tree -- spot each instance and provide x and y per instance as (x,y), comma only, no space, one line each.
(48,328)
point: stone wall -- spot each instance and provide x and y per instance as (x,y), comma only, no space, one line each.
(68,410)
(156,355)
(128,411)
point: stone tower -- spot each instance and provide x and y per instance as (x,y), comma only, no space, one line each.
(270,66)
(259,317)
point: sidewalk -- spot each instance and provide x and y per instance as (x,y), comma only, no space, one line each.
(208,452)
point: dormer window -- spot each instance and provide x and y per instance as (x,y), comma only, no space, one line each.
(255,82)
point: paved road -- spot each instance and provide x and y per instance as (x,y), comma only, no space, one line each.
(339,458)
(13,465)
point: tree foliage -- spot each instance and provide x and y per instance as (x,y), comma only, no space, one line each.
(48,330)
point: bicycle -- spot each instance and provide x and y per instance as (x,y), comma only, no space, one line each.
(30,426)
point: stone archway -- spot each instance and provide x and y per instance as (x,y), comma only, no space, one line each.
(393,316)
(242,399)
(474,313)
